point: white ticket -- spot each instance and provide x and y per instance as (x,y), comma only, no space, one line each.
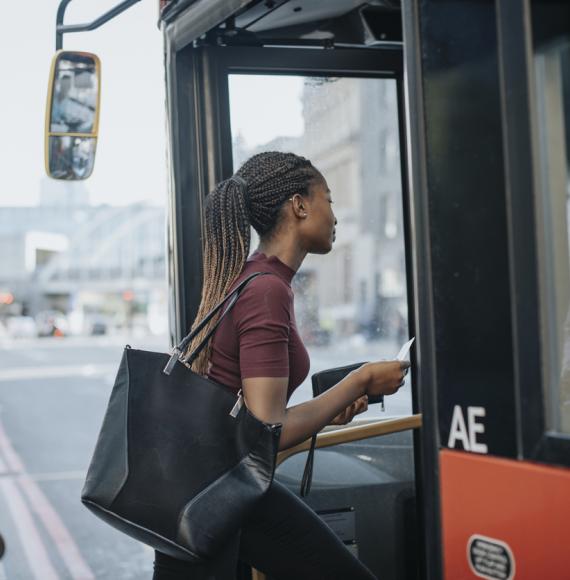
(403,354)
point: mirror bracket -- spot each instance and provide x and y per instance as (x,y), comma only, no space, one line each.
(61,28)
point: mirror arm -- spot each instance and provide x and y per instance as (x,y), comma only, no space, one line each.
(61,29)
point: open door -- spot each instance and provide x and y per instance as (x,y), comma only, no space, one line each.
(344,111)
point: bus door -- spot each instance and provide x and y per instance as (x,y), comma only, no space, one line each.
(342,109)
(489,150)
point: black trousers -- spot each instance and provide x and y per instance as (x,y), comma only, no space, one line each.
(283,538)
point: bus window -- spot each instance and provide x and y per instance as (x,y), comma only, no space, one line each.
(552,75)
(348,127)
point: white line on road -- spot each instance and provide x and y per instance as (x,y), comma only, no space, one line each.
(53,524)
(58,475)
(154,342)
(30,539)
(50,372)
(47,476)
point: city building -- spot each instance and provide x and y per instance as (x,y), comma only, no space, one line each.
(103,266)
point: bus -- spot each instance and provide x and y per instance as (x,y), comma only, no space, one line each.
(442,128)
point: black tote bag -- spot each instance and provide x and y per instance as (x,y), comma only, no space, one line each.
(179,460)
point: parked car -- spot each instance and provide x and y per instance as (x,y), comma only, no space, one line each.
(98,327)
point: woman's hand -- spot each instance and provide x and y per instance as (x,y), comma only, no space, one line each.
(266,398)
(382,378)
(359,406)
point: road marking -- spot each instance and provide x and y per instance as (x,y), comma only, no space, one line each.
(54,476)
(30,539)
(3,575)
(11,458)
(53,524)
(58,475)
(50,372)
(148,342)
(49,476)
(60,535)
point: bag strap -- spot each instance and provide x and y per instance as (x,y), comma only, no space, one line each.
(232,298)
(308,472)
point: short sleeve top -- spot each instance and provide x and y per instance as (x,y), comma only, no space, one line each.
(259,336)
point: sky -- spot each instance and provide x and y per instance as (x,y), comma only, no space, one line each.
(254,101)
(131,152)
(130,163)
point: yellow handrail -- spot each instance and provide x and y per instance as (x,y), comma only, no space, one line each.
(346,434)
(354,433)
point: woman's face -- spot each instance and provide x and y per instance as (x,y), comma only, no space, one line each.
(319,225)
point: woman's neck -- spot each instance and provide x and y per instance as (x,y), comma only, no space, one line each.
(289,254)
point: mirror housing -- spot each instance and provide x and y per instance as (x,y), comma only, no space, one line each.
(72,115)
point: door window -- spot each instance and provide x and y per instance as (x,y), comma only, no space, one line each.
(552,82)
(351,304)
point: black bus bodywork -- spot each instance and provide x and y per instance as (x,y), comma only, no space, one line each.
(475,252)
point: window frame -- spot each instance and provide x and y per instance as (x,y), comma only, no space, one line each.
(523,165)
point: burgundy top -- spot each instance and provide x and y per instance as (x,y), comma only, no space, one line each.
(259,336)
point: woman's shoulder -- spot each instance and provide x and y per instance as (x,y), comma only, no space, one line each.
(265,297)
(267,282)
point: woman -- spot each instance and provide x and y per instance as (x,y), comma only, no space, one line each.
(257,348)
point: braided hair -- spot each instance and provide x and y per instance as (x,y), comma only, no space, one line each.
(253,197)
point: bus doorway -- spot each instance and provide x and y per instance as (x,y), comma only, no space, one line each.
(344,111)
(453,228)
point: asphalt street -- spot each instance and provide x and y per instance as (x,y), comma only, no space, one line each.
(53,394)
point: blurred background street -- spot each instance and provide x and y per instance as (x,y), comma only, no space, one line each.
(53,394)
(84,265)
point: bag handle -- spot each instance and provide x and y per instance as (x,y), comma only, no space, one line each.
(178,350)
(308,471)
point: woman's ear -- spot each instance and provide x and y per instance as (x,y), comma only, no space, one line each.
(299,205)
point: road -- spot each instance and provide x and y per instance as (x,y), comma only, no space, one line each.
(53,394)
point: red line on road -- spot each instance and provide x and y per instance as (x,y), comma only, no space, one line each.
(63,540)
(54,525)
(32,544)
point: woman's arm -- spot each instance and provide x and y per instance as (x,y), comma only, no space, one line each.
(266,398)
(262,317)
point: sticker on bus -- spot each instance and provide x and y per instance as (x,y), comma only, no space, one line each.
(490,558)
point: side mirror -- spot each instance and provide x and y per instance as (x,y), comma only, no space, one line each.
(72,115)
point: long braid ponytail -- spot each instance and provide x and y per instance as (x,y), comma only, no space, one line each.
(252,197)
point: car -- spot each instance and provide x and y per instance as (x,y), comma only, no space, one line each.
(98,327)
